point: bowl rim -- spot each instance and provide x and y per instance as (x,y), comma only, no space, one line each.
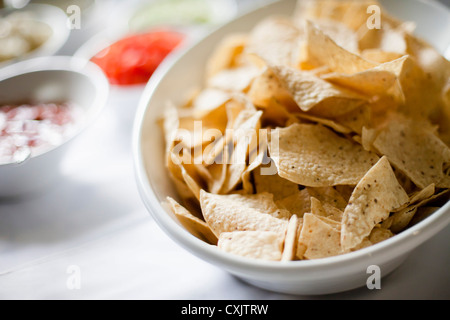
(58,39)
(64,64)
(409,239)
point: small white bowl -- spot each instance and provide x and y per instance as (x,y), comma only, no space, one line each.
(55,18)
(46,80)
(322,276)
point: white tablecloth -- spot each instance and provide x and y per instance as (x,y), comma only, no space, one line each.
(90,237)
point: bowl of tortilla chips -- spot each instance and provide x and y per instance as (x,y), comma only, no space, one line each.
(303,142)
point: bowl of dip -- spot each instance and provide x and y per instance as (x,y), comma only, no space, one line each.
(45,103)
(198,15)
(33,31)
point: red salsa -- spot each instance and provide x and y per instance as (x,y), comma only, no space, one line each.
(35,128)
(133,59)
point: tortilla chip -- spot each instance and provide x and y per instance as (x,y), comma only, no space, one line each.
(319,238)
(323,51)
(291,239)
(317,96)
(262,245)
(246,137)
(208,100)
(352,13)
(327,211)
(266,88)
(423,213)
(380,234)
(194,225)
(276,114)
(227,213)
(375,196)
(328,195)
(387,38)
(276,40)
(274,184)
(193,184)
(380,56)
(339,32)
(226,54)
(326,122)
(413,147)
(421,91)
(400,220)
(257,158)
(375,81)
(297,204)
(314,156)
(237,79)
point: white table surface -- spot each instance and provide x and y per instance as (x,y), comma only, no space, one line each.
(94,220)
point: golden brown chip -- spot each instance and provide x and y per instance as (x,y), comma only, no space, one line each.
(227,213)
(208,100)
(318,239)
(328,195)
(266,88)
(194,225)
(380,56)
(375,81)
(376,195)
(316,95)
(262,245)
(413,147)
(274,184)
(290,241)
(276,40)
(326,210)
(246,137)
(350,12)
(314,156)
(380,234)
(235,80)
(323,51)
(298,203)
(226,54)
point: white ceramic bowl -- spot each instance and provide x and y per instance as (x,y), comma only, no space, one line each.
(323,276)
(49,79)
(55,18)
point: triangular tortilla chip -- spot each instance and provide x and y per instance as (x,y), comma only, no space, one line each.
(326,210)
(276,40)
(194,225)
(291,239)
(246,137)
(314,156)
(318,239)
(413,147)
(226,54)
(227,213)
(317,96)
(236,79)
(261,245)
(274,184)
(375,196)
(298,203)
(350,12)
(375,81)
(323,51)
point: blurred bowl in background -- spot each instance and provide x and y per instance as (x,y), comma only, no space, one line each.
(48,80)
(33,31)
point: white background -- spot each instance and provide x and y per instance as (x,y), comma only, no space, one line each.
(94,219)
